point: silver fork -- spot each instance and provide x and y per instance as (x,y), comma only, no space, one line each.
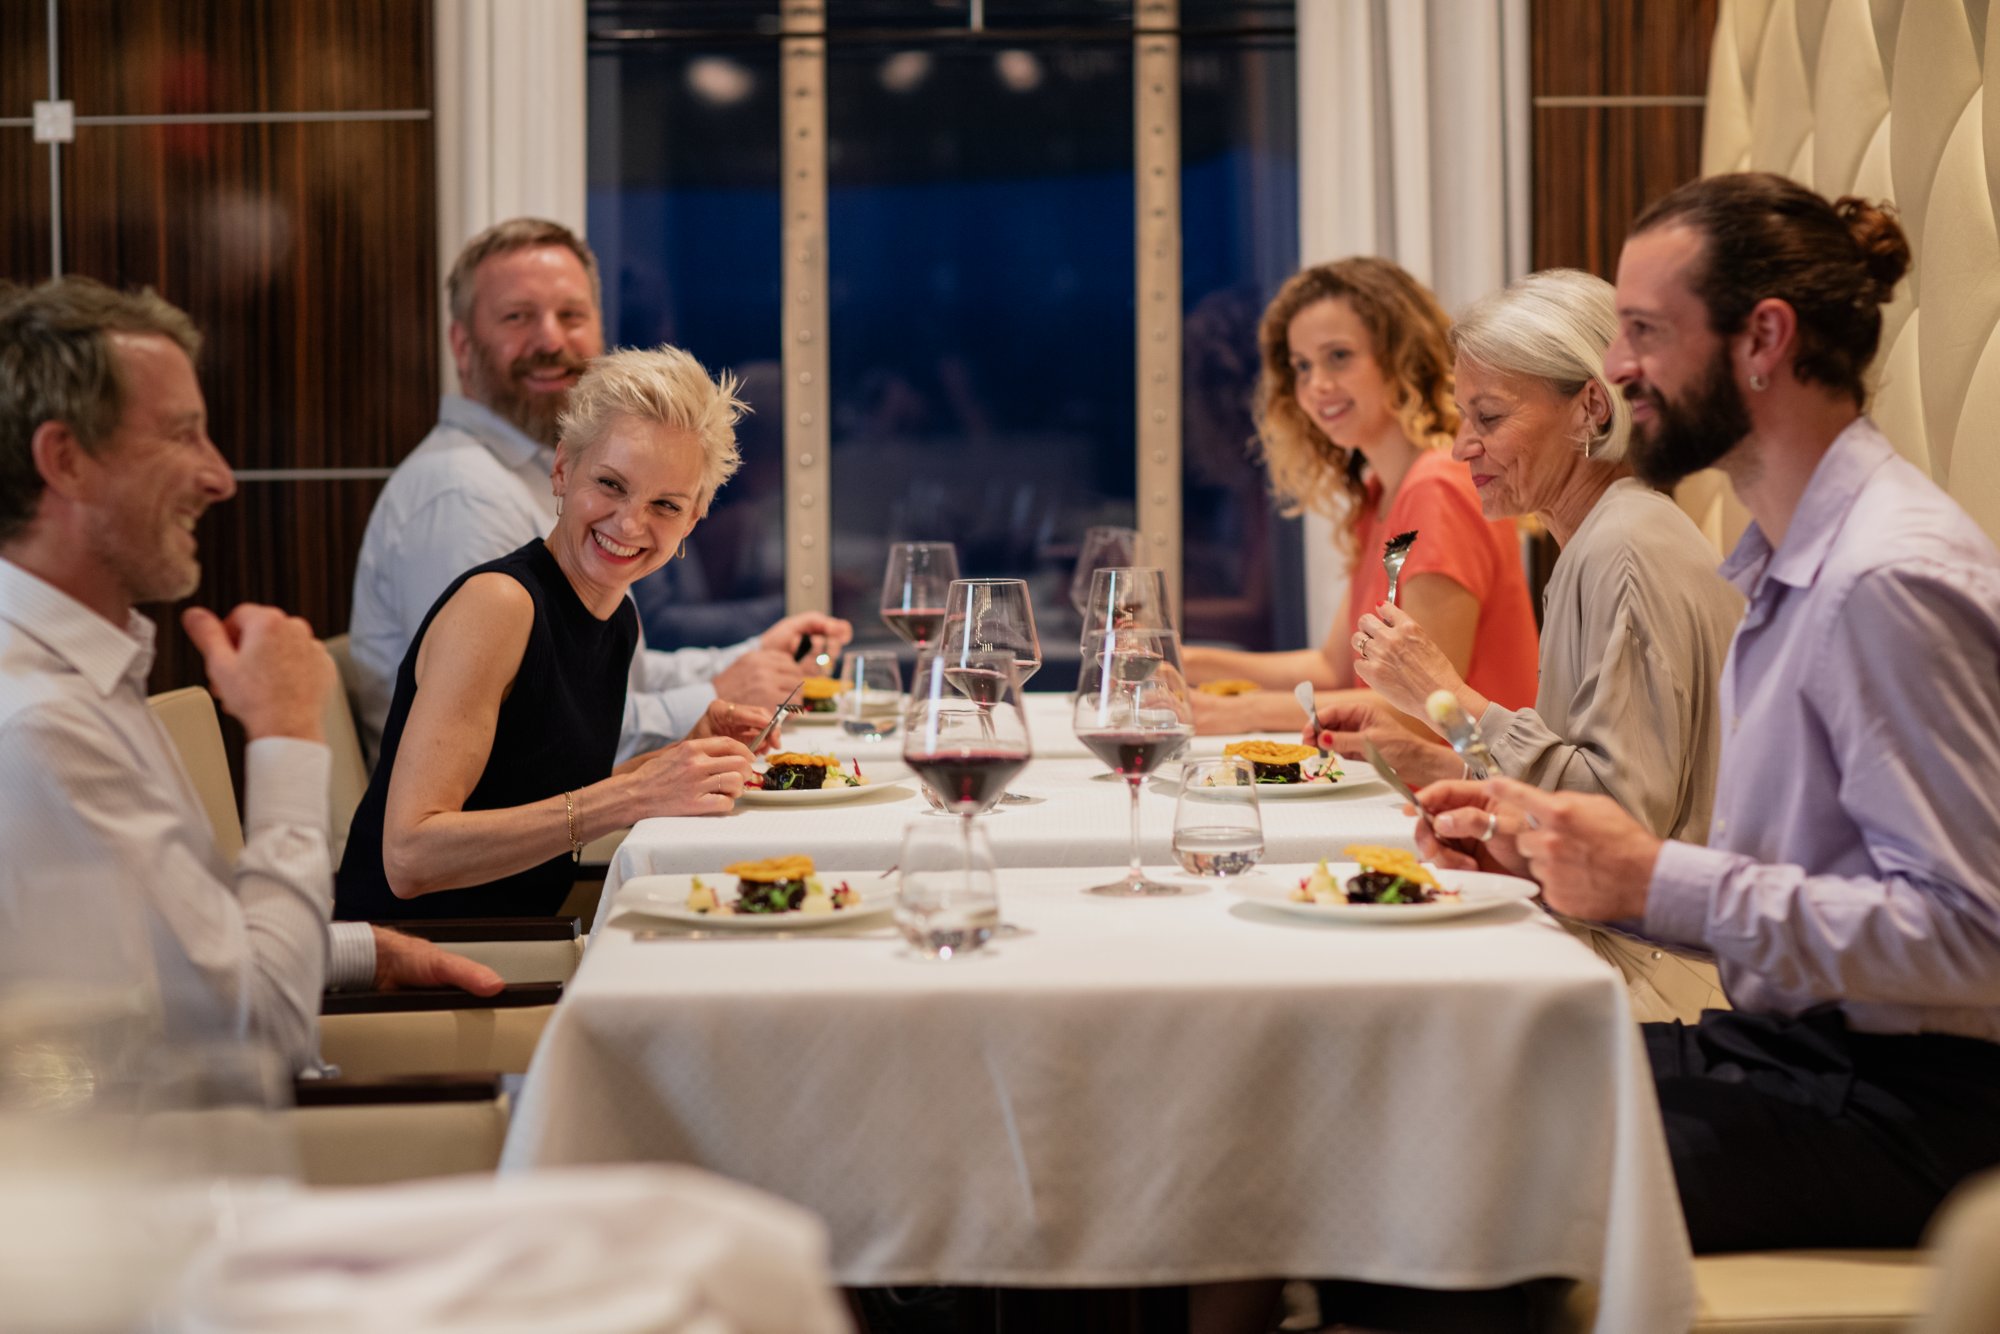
(1394,553)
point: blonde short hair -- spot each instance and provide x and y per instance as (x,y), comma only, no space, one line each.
(666,386)
(1555,325)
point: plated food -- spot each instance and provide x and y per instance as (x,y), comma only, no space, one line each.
(1280,763)
(820,694)
(1384,875)
(1290,891)
(795,771)
(1233,686)
(773,885)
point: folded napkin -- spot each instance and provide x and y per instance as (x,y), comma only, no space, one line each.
(614,1250)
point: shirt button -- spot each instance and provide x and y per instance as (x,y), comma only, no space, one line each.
(1721,827)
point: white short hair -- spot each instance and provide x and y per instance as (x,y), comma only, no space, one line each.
(1555,325)
(663,385)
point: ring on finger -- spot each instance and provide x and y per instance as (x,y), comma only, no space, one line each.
(1492,826)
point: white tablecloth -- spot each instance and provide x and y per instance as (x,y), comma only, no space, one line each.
(1137,1092)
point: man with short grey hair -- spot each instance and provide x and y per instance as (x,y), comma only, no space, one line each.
(525,297)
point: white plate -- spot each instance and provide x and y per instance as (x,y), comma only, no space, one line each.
(667,895)
(1478,891)
(822,796)
(1347,782)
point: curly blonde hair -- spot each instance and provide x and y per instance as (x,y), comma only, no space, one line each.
(1408,337)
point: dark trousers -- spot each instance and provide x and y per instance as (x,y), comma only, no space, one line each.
(1799,1133)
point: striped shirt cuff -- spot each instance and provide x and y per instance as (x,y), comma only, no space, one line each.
(1684,881)
(350,956)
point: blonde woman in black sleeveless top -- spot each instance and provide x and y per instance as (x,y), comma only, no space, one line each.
(497,760)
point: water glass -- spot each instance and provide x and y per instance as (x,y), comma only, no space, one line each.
(872,704)
(948,897)
(1217,828)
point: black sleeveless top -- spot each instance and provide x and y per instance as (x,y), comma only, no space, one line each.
(557,731)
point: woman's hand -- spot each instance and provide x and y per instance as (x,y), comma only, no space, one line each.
(738,722)
(1404,665)
(1472,828)
(1344,724)
(703,776)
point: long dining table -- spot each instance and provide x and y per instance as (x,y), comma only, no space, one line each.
(1124,1092)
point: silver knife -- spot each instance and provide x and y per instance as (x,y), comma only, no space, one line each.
(1395,780)
(776,714)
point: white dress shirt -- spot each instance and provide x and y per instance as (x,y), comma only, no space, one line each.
(104,833)
(475,489)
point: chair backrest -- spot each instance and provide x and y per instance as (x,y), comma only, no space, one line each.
(188,714)
(349,778)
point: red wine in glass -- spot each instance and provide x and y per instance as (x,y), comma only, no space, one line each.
(1136,753)
(967,778)
(914,625)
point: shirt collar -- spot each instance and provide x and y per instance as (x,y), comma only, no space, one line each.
(99,651)
(1836,482)
(506,440)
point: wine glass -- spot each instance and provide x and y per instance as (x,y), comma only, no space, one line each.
(1217,830)
(1131,711)
(982,614)
(914,586)
(1103,547)
(1127,598)
(948,896)
(964,733)
(872,704)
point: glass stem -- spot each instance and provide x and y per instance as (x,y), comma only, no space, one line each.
(965,839)
(1137,871)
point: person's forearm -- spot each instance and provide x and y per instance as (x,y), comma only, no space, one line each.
(454,849)
(1272,671)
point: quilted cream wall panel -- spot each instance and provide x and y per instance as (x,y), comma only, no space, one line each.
(1885,98)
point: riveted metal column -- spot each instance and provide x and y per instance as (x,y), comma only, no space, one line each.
(1156,161)
(802,160)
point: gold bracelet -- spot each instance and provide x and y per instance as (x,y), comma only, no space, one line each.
(569,808)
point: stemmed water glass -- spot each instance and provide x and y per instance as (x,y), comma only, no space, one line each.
(964,733)
(982,614)
(1103,547)
(914,586)
(1131,710)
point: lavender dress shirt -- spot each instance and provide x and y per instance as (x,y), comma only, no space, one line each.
(1854,854)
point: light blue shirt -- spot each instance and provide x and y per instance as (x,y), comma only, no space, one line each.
(475,489)
(1854,854)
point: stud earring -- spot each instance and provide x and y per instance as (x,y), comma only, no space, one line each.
(1758,382)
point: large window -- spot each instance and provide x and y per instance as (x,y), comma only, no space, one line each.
(980,271)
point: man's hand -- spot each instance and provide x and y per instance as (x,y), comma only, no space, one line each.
(829,633)
(1344,725)
(405,961)
(1594,861)
(1470,828)
(760,678)
(267,669)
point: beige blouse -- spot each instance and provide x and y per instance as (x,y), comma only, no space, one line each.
(1635,625)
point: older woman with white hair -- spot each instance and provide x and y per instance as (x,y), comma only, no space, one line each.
(1635,622)
(497,757)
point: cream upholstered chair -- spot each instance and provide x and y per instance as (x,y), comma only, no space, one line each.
(373,1035)
(349,777)
(398,1130)
(189,716)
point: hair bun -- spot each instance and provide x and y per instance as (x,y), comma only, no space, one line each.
(1885,251)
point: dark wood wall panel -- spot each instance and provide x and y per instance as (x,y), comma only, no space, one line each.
(151,57)
(25,238)
(1596,167)
(1621,47)
(303,251)
(24,59)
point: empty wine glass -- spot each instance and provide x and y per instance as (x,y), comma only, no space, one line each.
(914,587)
(1217,829)
(872,704)
(948,896)
(1103,547)
(1127,598)
(964,733)
(982,614)
(1131,711)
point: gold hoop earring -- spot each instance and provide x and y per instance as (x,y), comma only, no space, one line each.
(682,553)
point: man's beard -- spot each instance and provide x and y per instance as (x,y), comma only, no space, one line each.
(1687,437)
(535,415)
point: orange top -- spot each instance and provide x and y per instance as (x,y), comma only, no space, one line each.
(1479,555)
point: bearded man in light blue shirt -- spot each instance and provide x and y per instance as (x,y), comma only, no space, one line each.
(1850,889)
(524,323)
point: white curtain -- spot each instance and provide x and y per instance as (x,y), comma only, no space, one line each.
(509,117)
(1413,145)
